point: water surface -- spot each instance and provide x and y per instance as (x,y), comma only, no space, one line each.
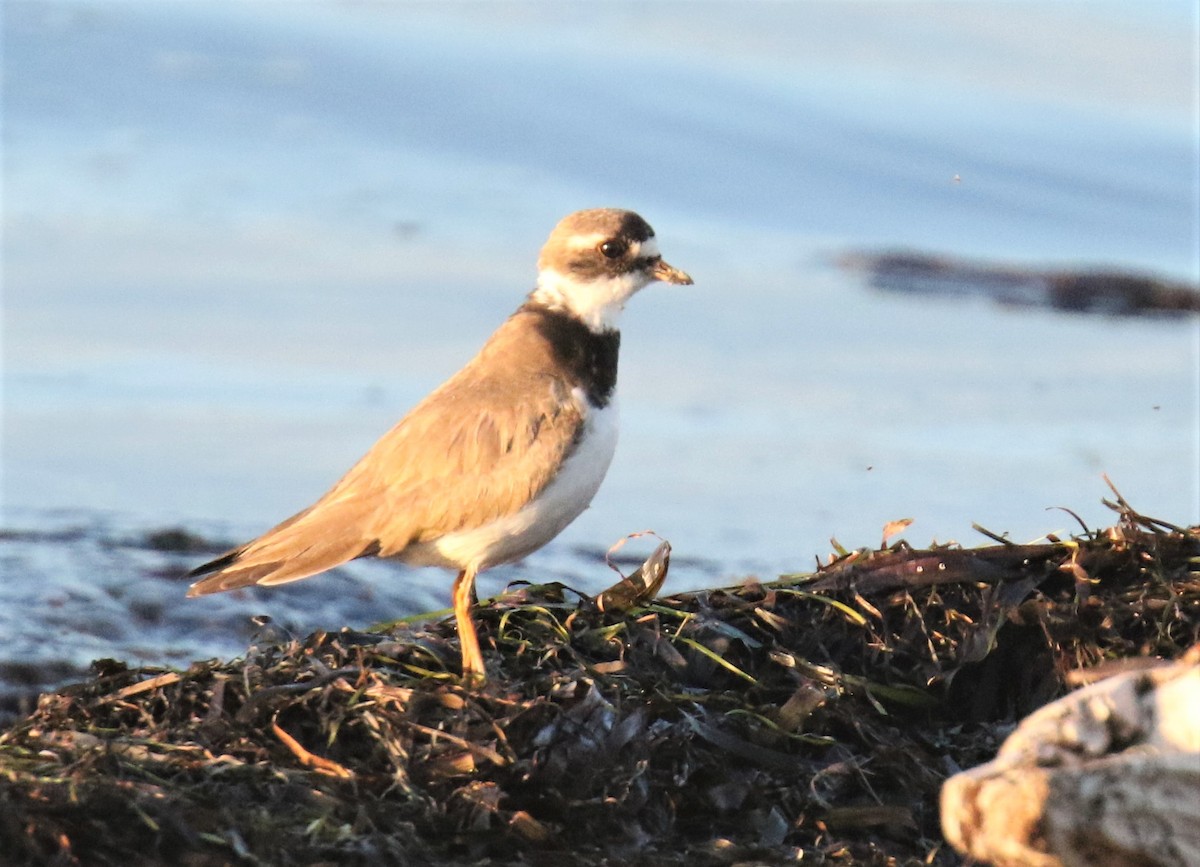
(240,240)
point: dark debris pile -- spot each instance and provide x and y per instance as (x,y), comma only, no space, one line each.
(813,718)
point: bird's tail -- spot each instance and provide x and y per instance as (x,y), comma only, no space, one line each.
(319,538)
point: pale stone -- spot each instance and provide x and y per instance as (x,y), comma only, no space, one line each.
(1108,776)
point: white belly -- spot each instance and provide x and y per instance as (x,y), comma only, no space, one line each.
(523,532)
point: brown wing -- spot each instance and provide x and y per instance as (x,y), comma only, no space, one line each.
(478,448)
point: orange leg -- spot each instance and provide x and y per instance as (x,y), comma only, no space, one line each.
(472,658)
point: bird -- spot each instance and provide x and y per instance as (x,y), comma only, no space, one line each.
(500,458)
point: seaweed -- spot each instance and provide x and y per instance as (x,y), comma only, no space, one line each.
(812,717)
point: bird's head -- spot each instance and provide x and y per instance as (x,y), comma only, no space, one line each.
(595,260)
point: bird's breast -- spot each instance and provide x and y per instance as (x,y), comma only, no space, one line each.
(559,503)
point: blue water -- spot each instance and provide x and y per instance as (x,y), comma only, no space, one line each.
(241,239)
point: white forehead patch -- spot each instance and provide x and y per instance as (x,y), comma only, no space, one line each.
(646,249)
(584,242)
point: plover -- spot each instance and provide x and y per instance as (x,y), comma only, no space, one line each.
(504,455)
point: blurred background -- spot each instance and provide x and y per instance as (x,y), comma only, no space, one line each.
(242,239)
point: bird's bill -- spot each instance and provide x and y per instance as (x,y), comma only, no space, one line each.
(660,270)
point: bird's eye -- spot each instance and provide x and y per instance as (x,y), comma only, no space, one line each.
(614,249)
